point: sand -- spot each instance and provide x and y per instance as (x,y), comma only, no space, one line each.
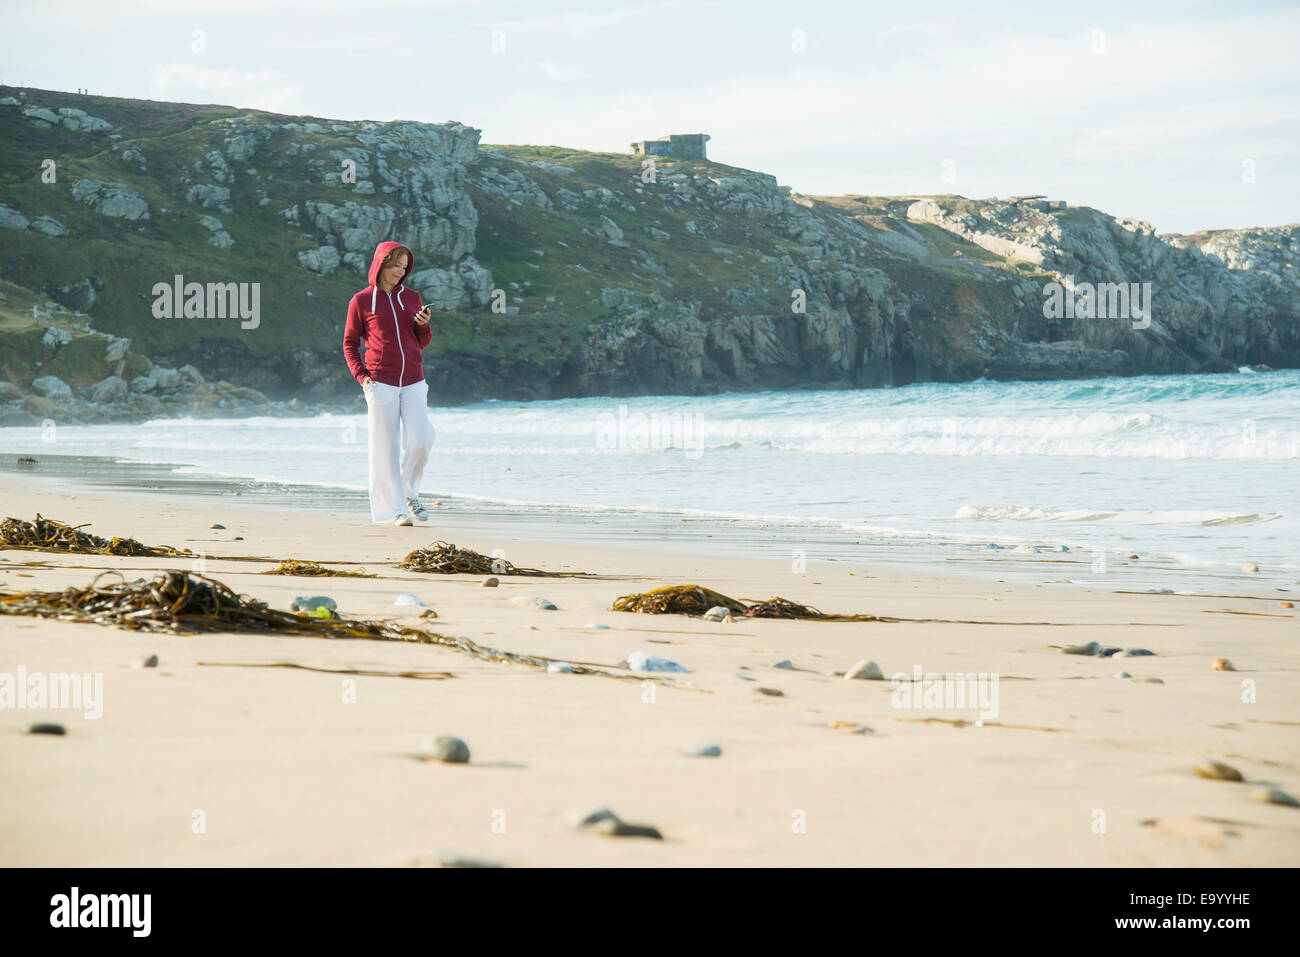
(197,762)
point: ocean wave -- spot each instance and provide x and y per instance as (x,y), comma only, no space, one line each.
(1031,513)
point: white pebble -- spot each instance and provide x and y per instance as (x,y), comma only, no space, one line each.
(865,670)
(640,661)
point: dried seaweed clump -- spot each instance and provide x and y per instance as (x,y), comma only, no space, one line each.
(179,603)
(677,600)
(443,558)
(785,608)
(291,566)
(47,535)
(696,600)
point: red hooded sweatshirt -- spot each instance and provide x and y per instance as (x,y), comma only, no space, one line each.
(385,323)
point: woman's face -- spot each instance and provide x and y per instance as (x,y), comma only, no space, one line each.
(394,271)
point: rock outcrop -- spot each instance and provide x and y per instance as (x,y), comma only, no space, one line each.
(554,272)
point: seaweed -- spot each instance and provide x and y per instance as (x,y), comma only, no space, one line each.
(696,600)
(48,535)
(291,566)
(444,558)
(183,604)
(180,603)
(677,600)
(785,608)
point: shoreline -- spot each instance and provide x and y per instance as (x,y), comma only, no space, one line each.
(794,785)
(796,543)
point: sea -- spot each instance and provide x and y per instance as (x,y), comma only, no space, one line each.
(1154,482)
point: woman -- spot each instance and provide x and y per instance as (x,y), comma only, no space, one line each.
(394,326)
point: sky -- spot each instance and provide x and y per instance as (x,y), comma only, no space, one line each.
(1183,114)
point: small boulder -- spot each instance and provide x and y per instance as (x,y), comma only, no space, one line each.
(51,387)
(112,389)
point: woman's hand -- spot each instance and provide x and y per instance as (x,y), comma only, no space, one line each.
(366,382)
(422,317)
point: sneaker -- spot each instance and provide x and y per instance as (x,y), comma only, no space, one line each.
(403,520)
(417,509)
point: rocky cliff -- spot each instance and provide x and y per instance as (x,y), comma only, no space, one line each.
(556,272)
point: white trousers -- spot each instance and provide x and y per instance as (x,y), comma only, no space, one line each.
(394,410)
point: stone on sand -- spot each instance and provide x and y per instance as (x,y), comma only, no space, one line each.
(642,662)
(1218,771)
(449,750)
(864,670)
(1273,796)
(1091,648)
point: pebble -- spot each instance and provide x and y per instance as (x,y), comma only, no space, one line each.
(239,538)
(588,818)
(46,728)
(716,613)
(849,726)
(310,604)
(640,661)
(1273,796)
(1091,648)
(1121,674)
(1152,681)
(1136,653)
(614,827)
(490,582)
(606,822)
(745,678)
(560,667)
(1285,604)
(599,625)
(785,663)
(217,525)
(1107,652)
(428,613)
(1133,558)
(1222,664)
(1250,568)
(1218,771)
(864,670)
(406,598)
(446,859)
(150,662)
(709,751)
(523,601)
(449,750)
(771,692)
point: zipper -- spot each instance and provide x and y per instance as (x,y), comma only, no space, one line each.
(398,330)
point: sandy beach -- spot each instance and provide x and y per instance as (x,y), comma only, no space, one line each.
(203,762)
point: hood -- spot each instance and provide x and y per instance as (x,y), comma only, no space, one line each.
(382,250)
